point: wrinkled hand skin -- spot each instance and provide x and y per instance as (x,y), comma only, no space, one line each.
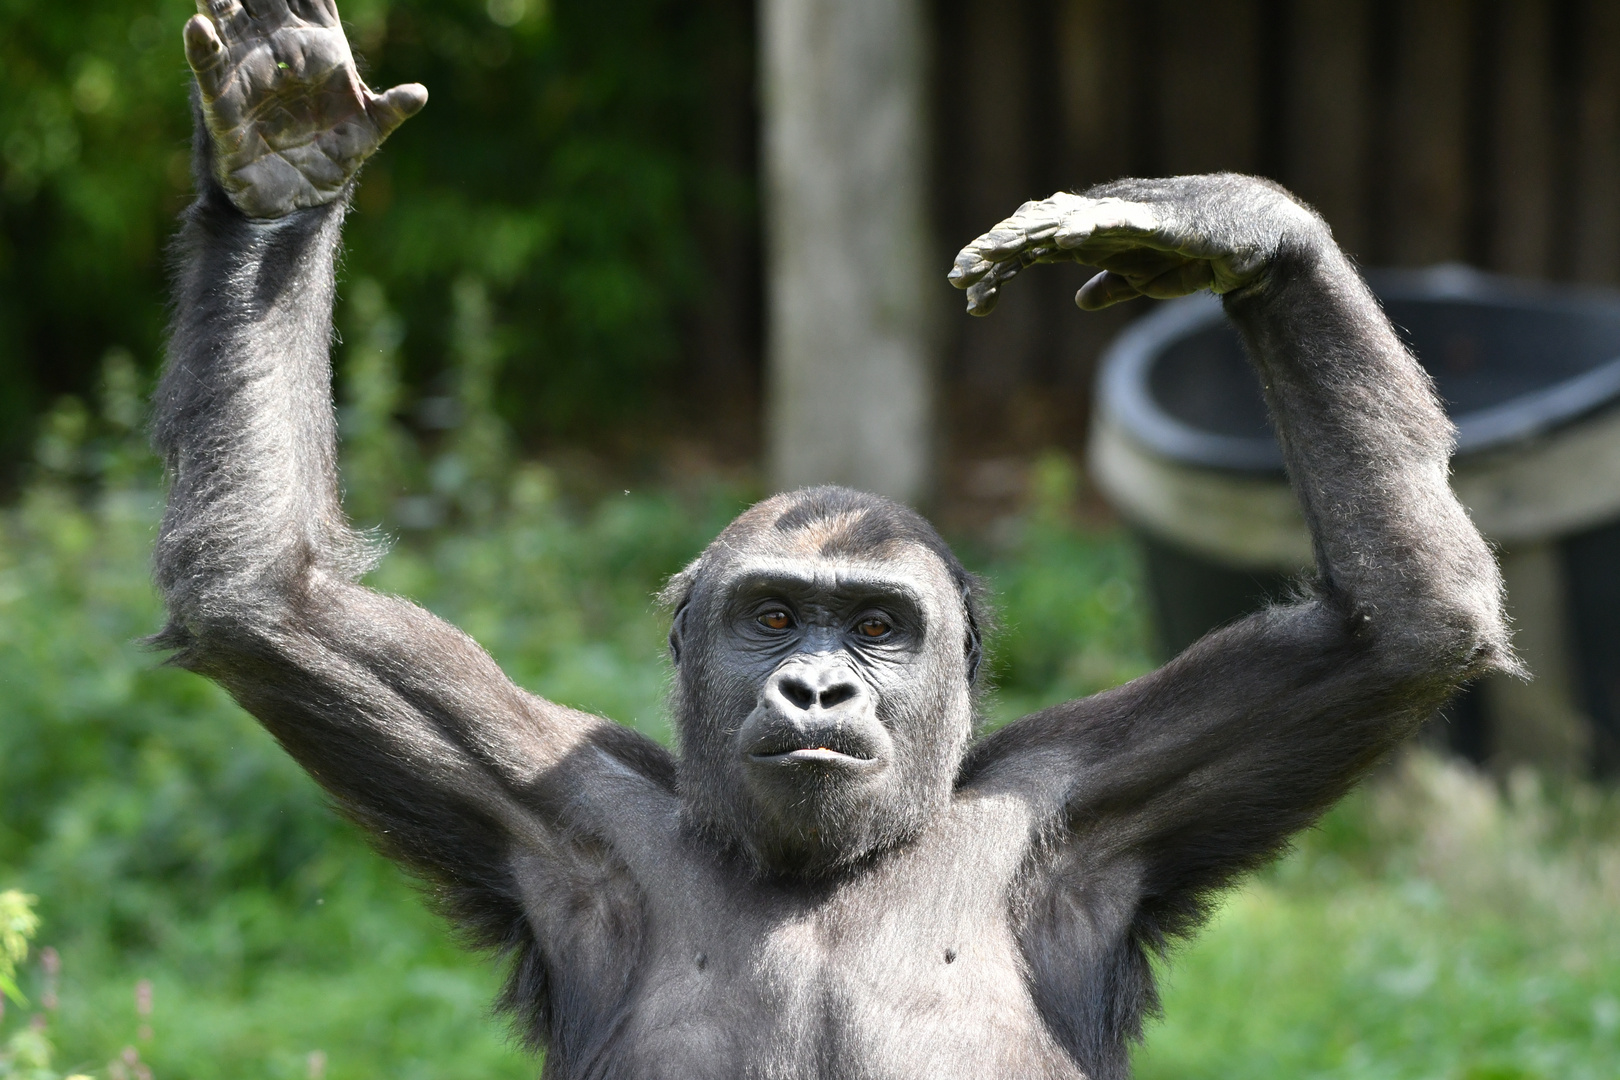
(1158,238)
(289,118)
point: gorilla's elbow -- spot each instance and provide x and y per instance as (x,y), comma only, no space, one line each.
(221,610)
(1452,637)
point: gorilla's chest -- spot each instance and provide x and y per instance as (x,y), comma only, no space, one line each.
(911,970)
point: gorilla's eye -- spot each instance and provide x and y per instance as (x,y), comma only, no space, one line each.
(776,619)
(873,627)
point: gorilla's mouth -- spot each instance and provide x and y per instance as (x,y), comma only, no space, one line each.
(839,748)
(812,755)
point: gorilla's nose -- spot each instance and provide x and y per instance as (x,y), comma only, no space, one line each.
(815,688)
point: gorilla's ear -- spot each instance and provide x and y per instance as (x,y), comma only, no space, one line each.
(677,594)
(677,627)
(975,638)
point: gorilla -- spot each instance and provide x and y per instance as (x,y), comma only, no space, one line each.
(834,877)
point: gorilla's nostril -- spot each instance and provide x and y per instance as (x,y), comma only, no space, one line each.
(798,693)
(837,695)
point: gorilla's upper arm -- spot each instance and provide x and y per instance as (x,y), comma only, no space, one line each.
(515,809)
(1204,768)
(418,734)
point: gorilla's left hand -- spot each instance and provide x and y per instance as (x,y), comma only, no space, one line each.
(1158,238)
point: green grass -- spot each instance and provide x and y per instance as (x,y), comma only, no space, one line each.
(1435,927)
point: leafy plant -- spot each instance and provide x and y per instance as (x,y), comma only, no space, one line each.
(27,1054)
(17,924)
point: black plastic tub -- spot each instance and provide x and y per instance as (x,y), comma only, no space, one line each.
(1530,374)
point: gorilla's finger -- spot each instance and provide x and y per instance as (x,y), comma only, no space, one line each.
(205,52)
(1094,218)
(220,10)
(982,298)
(1104,290)
(274,11)
(1007,240)
(396,106)
(233,21)
(1032,223)
(1024,236)
(1189,277)
(1002,242)
(969,267)
(1035,221)
(1134,264)
(983,295)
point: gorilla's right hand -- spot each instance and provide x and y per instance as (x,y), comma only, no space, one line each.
(288,116)
(1158,238)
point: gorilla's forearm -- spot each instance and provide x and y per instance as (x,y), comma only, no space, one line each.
(1367,448)
(244,415)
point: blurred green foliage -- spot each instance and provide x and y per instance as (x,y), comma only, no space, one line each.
(576,162)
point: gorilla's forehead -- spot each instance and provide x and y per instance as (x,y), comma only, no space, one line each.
(834,540)
(799,525)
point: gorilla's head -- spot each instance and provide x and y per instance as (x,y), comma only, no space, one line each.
(826,647)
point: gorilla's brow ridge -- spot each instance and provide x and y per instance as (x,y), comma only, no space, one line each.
(762,578)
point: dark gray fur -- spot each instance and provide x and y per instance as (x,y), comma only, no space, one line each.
(951,907)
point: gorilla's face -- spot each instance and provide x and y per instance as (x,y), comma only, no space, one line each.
(823,681)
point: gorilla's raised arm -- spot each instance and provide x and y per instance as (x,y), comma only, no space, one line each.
(1206,766)
(401,717)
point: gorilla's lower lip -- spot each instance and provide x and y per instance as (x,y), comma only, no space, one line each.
(813,755)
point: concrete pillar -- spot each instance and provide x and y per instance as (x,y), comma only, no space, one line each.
(850,371)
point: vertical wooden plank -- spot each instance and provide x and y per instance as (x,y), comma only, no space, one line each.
(1426,204)
(1209,74)
(1596,241)
(1095,88)
(994,116)
(726,344)
(1098,106)
(996,110)
(1521,152)
(1328,110)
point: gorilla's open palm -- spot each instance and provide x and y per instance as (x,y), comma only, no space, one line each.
(836,877)
(290,118)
